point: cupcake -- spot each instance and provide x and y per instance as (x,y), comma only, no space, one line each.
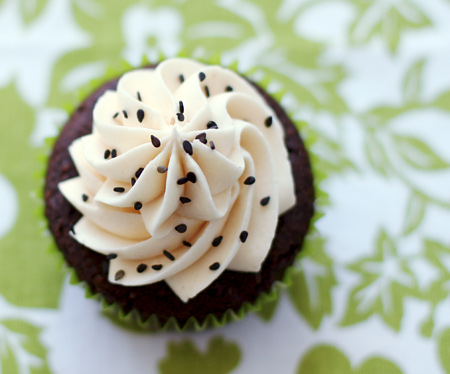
(179,193)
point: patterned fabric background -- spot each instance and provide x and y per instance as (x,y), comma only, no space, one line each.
(369,79)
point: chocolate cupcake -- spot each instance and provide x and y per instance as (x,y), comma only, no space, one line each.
(180,192)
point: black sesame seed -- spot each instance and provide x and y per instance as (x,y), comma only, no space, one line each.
(250,180)
(206,91)
(181,228)
(202,137)
(119,189)
(161,169)
(185,200)
(181,78)
(201,76)
(140,115)
(114,153)
(180,117)
(119,275)
(169,255)
(133,181)
(125,114)
(137,205)
(268,122)
(243,236)
(139,96)
(157,267)
(107,154)
(139,172)
(180,104)
(187,146)
(191,177)
(212,125)
(186,243)
(84,197)
(216,242)
(111,256)
(229,88)
(214,266)
(182,180)
(72,229)
(155,141)
(265,200)
(213,146)
(115,115)
(141,268)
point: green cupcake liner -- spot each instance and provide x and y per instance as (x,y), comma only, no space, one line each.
(133,320)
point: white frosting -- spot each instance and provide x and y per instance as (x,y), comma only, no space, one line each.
(188,245)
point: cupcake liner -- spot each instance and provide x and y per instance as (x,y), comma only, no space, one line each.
(133,319)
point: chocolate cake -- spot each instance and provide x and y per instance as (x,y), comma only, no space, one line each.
(232,288)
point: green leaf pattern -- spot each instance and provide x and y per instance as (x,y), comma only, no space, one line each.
(313,362)
(184,358)
(20,349)
(31,9)
(311,289)
(385,281)
(386,19)
(415,212)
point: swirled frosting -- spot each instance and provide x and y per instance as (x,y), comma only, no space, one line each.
(184,175)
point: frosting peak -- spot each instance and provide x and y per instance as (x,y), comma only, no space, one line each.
(183,176)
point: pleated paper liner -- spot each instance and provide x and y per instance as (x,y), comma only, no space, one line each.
(132,319)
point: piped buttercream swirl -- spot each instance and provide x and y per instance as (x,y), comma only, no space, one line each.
(184,175)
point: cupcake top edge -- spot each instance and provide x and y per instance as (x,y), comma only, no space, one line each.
(184,175)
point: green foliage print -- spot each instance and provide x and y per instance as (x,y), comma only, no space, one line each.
(102,23)
(265,39)
(31,9)
(268,309)
(183,357)
(21,351)
(438,256)
(31,277)
(413,153)
(311,287)
(386,19)
(385,280)
(443,101)
(418,154)
(413,83)
(289,59)
(444,350)
(324,359)
(415,212)
(405,151)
